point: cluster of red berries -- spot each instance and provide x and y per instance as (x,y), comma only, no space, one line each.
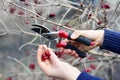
(46,55)
(59,53)
(91,66)
(13,9)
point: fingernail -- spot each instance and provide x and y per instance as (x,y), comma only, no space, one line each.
(73,36)
(92,43)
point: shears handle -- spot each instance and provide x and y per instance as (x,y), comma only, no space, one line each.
(69,46)
(80,39)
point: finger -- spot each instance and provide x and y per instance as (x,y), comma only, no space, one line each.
(75,34)
(67,51)
(66,40)
(39,54)
(47,61)
(54,59)
(76,56)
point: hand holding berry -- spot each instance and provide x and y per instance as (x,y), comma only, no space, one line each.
(54,67)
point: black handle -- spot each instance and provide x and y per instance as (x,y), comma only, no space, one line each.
(80,53)
(81,39)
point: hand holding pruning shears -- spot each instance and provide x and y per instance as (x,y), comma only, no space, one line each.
(76,40)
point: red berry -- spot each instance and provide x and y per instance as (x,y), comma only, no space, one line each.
(87,70)
(39,13)
(21,13)
(92,66)
(105,6)
(91,58)
(27,4)
(52,15)
(27,53)
(36,1)
(67,25)
(99,23)
(47,53)
(32,66)
(9,78)
(54,28)
(26,22)
(59,53)
(89,15)
(44,57)
(12,9)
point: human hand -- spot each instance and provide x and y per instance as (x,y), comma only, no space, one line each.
(53,67)
(94,35)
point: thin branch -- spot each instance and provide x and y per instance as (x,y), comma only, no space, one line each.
(16,60)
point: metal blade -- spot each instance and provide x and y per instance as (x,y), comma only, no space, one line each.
(53,35)
(42,30)
(37,30)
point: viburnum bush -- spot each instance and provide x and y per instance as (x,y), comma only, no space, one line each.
(19,43)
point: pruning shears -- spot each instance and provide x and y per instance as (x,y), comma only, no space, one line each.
(52,35)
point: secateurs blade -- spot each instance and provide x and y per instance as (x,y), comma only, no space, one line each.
(40,29)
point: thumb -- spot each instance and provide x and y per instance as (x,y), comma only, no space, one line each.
(76,34)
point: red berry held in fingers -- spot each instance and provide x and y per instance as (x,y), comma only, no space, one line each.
(32,66)
(46,55)
(43,57)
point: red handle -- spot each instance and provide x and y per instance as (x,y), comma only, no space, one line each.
(63,34)
(61,44)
